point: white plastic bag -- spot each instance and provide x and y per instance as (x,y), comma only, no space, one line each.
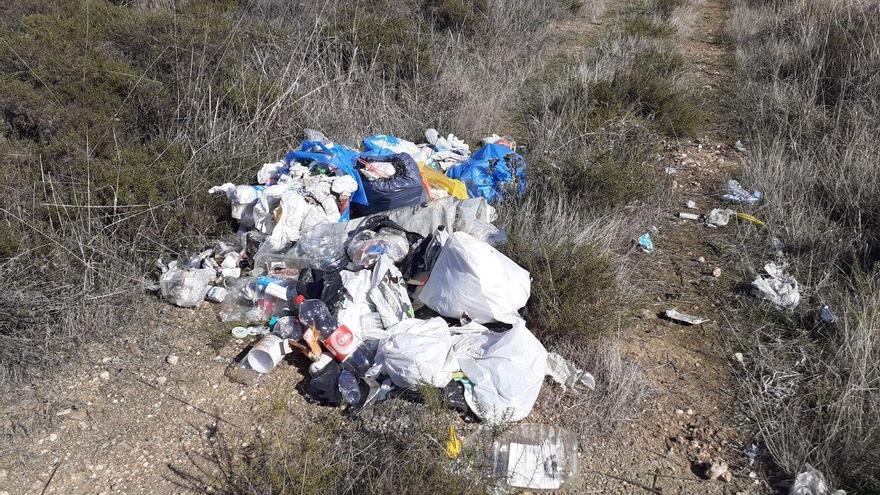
(473,279)
(418,352)
(507,370)
(186,288)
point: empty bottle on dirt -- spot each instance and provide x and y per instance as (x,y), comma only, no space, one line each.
(349,388)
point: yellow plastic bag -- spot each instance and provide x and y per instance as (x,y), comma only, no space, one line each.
(433,178)
(453,444)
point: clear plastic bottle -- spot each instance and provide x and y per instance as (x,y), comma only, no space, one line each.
(349,388)
(313,313)
(537,457)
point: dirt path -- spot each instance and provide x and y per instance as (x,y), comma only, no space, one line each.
(687,425)
(126,430)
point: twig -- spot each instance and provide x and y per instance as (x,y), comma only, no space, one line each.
(51,476)
(631,482)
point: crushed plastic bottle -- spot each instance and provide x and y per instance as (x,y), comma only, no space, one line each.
(349,388)
(535,456)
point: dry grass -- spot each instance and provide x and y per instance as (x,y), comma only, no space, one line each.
(807,80)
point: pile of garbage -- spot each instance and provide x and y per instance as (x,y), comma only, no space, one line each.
(380,265)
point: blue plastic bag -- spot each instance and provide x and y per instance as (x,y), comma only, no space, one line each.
(489,170)
(333,155)
(387,145)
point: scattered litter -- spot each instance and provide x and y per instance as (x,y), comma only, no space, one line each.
(680,317)
(171,359)
(827,316)
(718,217)
(739,358)
(536,456)
(567,374)
(689,216)
(716,272)
(670,170)
(646,243)
(701,260)
(777,287)
(749,218)
(691,204)
(812,482)
(736,193)
(739,146)
(336,250)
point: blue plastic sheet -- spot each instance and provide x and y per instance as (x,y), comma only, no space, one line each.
(489,171)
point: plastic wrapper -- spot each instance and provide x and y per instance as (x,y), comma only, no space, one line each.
(186,288)
(536,457)
(367,246)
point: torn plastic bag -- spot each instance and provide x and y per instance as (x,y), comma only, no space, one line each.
(386,145)
(471,279)
(506,369)
(567,374)
(332,155)
(186,288)
(811,481)
(418,352)
(777,287)
(435,179)
(405,188)
(388,293)
(736,193)
(474,216)
(242,200)
(491,172)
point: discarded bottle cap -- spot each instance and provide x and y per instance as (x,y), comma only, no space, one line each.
(299,299)
(240,332)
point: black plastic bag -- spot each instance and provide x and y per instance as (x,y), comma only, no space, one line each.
(405,188)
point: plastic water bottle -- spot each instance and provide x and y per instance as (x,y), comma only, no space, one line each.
(348,387)
(313,313)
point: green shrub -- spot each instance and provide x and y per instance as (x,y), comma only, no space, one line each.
(572,286)
(458,15)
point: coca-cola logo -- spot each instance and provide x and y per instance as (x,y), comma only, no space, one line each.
(343,336)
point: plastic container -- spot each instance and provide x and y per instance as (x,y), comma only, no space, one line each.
(536,457)
(267,353)
(349,388)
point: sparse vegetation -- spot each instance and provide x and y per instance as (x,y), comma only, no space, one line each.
(807,85)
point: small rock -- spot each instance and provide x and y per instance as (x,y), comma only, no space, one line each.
(701,260)
(689,412)
(716,272)
(161,380)
(64,412)
(691,204)
(739,358)
(171,359)
(53,437)
(739,146)
(3,474)
(679,412)
(647,314)
(105,375)
(719,470)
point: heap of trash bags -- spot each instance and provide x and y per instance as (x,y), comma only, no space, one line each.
(380,265)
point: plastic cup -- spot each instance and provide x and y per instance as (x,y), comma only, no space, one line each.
(267,353)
